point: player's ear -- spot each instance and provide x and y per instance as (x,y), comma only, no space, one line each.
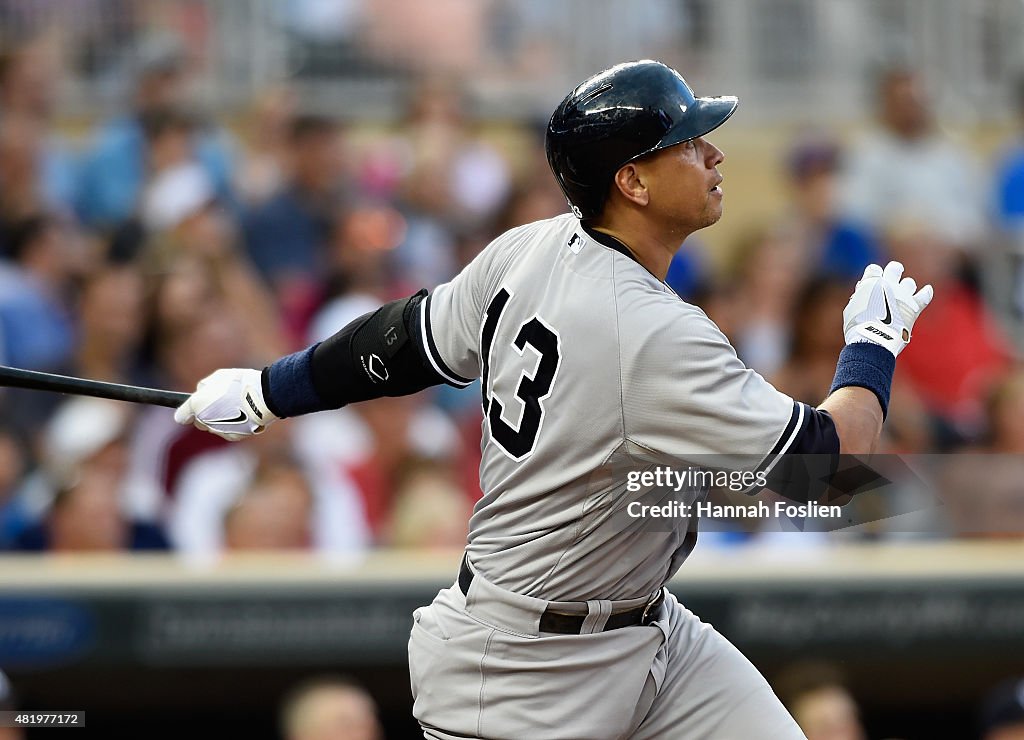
(630,183)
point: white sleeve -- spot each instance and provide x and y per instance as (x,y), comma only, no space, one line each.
(450,321)
(687,393)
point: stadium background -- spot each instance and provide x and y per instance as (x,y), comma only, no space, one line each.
(205,183)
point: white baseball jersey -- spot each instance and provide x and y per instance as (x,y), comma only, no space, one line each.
(589,365)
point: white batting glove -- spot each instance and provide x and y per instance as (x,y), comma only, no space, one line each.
(228,403)
(884,307)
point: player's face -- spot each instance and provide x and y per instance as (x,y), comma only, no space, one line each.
(684,185)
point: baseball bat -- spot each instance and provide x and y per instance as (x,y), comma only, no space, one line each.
(13,377)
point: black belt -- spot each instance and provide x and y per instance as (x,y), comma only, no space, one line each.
(572,624)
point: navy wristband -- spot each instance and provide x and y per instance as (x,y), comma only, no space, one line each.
(866,365)
(288,385)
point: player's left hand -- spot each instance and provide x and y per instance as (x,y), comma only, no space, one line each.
(228,403)
(884,307)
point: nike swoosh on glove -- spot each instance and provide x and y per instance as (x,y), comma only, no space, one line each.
(884,307)
(228,403)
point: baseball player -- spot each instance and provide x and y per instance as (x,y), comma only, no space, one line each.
(559,626)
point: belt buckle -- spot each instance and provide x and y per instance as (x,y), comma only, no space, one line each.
(655,600)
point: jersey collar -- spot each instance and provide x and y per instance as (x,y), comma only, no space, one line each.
(610,241)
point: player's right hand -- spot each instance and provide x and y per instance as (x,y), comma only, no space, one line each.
(884,307)
(228,403)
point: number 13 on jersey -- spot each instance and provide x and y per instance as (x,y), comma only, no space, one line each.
(518,441)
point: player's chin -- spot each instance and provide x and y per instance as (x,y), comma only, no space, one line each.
(713,212)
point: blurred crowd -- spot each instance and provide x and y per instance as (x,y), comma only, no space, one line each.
(165,243)
(817,694)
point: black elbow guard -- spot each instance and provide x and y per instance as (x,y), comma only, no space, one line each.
(378,354)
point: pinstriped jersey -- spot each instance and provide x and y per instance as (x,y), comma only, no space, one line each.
(588,365)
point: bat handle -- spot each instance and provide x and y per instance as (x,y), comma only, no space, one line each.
(18,378)
(153,396)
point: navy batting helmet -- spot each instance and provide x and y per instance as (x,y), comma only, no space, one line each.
(619,115)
